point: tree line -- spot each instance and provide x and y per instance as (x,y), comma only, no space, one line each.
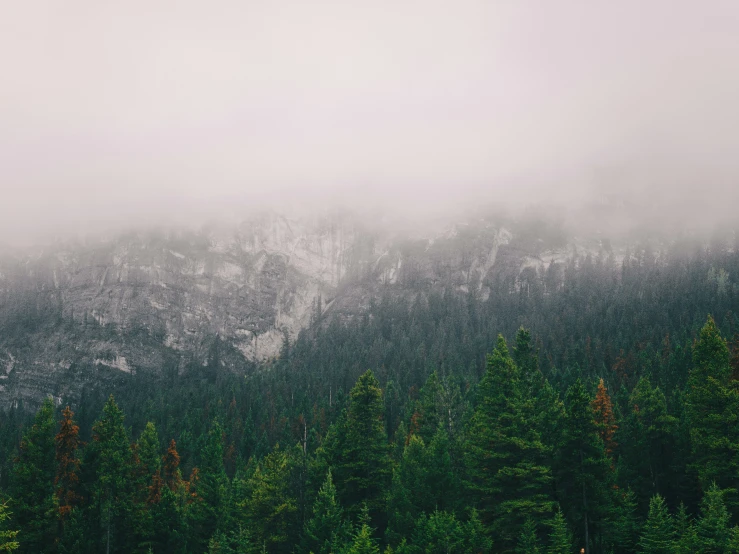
(513,465)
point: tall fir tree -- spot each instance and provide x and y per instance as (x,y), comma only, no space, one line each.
(560,538)
(147,484)
(363,541)
(109,457)
(272,508)
(648,440)
(327,529)
(361,462)
(32,484)
(686,538)
(528,540)
(67,478)
(713,528)
(658,534)
(208,490)
(605,419)
(8,542)
(438,532)
(712,406)
(504,454)
(583,471)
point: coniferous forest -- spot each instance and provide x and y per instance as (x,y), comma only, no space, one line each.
(595,407)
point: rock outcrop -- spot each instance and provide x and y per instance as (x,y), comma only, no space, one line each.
(157,301)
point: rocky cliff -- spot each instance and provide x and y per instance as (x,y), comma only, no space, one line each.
(228,293)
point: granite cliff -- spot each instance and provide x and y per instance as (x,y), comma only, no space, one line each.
(230,294)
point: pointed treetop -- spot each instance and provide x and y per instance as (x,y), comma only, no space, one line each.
(711,354)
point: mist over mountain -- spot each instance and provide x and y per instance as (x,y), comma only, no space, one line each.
(335,277)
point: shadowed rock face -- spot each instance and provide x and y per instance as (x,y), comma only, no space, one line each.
(156,302)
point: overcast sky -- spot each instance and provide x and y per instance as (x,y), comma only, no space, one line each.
(119,111)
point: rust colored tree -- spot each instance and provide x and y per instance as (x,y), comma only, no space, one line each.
(68,464)
(604,418)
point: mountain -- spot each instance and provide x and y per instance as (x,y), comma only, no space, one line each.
(230,294)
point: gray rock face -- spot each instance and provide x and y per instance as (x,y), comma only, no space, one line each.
(154,301)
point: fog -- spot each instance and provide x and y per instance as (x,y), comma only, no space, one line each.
(126,113)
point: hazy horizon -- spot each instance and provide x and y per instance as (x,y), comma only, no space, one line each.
(113,115)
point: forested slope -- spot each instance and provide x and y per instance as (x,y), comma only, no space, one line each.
(608,422)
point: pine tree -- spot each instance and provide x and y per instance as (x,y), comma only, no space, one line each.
(505,455)
(32,484)
(658,534)
(362,464)
(410,490)
(440,532)
(583,471)
(67,479)
(363,541)
(623,532)
(604,418)
(648,443)
(110,458)
(443,482)
(560,538)
(525,357)
(686,538)
(528,543)
(429,414)
(171,467)
(272,508)
(477,540)
(712,406)
(713,529)
(147,482)
(8,542)
(208,490)
(326,528)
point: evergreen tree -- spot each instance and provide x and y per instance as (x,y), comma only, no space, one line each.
(713,529)
(8,542)
(525,358)
(647,443)
(712,405)
(605,420)
(67,479)
(410,490)
(442,477)
(438,533)
(363,541)
(528,542)
(109,458)
(686,538)
(623,533)
(504,453)
(171,467)
(583,473)
(560,538)
(477,540)
(658,534)
(32,485)
(272,508)
(429,413)
(147,484)
(208,490)
(326,529)
(362,463)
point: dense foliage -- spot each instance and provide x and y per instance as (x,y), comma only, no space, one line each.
(610,423)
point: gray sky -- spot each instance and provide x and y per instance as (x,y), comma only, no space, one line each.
(141,110)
